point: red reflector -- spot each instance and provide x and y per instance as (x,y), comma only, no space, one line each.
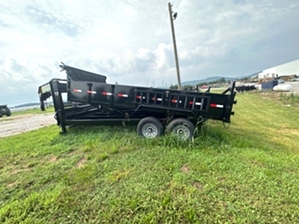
(77,90)
(213,105)
(190,102)
(174,101)
(138,97)
(122,95)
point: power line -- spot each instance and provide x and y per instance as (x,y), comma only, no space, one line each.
(176,5)
(173,2)
(163,27)
(159,40)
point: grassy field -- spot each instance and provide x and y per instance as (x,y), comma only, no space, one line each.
(15,114)
(245,174)
(32,111)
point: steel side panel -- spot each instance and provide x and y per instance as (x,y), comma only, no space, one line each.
(124,98)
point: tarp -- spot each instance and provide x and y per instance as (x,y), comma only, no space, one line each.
(76,74)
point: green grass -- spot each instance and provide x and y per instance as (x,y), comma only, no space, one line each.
(25,112)
(33,111)
(245,174)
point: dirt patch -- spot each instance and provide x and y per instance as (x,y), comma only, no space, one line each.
(198,185)
(290,130)
(53,159)
(12,184)
(81,162)
(25,122)
(185,169)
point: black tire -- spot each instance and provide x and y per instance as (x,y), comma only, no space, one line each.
(150,127)
(182,128)
(8,113)
(0,115)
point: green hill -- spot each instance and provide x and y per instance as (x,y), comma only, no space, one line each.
(206,80)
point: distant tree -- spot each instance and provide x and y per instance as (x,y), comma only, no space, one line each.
(202,83)
(173,87)
(246,78)
(222,80)
(190,87)
(187,87)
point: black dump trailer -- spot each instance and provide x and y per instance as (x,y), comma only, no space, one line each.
(90,100)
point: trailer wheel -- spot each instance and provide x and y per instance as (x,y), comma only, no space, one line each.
(182,128)
(149,127)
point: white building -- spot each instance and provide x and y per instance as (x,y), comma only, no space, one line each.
(287,69)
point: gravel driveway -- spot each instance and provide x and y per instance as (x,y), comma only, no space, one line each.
(23,123)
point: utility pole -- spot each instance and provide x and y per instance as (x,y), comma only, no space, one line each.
(172,17)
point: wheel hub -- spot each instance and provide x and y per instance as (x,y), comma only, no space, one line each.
(149,131)
(182,131)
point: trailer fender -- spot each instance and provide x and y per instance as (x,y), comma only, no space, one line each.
(149,127)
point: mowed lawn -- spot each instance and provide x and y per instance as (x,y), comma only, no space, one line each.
(248,173)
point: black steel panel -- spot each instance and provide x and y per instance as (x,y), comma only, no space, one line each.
(105,103)
(76,74)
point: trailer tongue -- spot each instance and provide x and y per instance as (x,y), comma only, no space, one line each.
(92,101)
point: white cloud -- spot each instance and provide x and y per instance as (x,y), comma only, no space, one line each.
(130,41)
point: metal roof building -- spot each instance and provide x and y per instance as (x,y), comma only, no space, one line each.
(287,69)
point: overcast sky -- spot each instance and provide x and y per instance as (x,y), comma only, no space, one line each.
(130,42)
